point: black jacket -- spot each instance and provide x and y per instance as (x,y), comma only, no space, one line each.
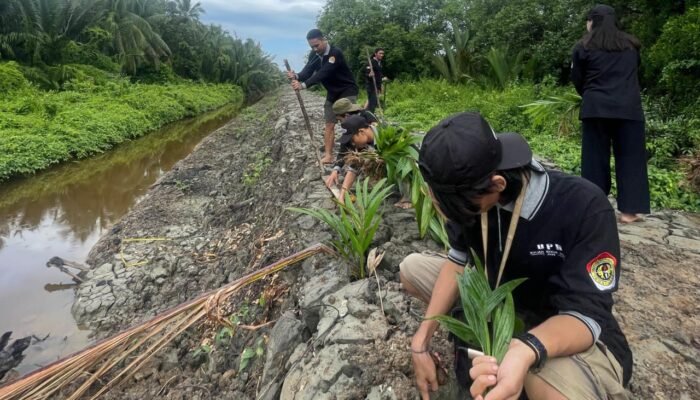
(378,75)
(332,72)
(608,83)
(568,250)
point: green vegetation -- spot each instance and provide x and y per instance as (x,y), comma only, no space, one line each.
(78,77)
(150,40)
(423,103)
(356,223)
(397,148)
(489,313)
(498,55)
(255,168)
(39,128)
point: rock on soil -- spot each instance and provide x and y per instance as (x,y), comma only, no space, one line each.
(220,213)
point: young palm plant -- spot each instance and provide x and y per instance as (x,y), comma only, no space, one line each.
(356,223)
(563,108)
(489,313)
(397,159)
(505,67)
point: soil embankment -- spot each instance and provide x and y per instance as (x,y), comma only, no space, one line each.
(220,213)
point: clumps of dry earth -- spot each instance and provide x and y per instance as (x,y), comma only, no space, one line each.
(310,332)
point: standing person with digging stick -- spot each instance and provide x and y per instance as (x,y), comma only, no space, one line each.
(326,65)
(374,77)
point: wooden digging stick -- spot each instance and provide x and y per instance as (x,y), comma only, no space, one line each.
(307,122)
(374,83)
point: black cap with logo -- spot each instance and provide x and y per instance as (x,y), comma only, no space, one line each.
(462,150)
(351,126)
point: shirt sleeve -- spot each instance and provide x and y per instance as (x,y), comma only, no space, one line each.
(577,65)
(591,271)
(456,237)
(340,158)
(311,66)
(335,58)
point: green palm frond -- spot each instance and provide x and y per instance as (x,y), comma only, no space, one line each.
(563,109)
(355,223)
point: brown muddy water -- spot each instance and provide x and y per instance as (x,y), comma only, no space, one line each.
(63,212)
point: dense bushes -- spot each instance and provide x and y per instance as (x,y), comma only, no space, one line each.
(421,104)
(675,58)
(38,129)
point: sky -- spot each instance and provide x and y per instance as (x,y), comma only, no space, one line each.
(279,25)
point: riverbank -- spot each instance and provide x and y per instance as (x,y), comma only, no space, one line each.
(63,211)
(39,129)
(208,222)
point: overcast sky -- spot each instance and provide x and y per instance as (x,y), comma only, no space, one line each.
(279,25)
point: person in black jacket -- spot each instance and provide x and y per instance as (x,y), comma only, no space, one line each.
(604,72)
(373,79)
(326,65)
(566,245)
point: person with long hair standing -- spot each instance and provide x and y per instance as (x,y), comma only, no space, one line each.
(605,73)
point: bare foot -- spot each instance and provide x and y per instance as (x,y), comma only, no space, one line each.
(629,218)
(403,204)
(327,159)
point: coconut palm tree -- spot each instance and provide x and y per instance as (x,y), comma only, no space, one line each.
(186,9)
(133,39)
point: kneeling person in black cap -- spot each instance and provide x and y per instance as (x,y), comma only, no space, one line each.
(357,135)
(567,246)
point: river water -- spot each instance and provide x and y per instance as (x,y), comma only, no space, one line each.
(63,212)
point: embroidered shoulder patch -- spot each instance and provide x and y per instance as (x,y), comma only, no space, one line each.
(601,269)
(331,59)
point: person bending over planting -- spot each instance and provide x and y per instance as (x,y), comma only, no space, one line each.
(566,245)
(358,135)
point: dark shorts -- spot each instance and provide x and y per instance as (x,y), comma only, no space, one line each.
(328,114)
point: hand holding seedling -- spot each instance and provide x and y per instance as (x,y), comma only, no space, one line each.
(505,380)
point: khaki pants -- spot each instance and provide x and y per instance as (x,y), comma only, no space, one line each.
(594,374)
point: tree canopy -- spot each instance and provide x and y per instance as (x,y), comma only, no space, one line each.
(540,33)
(147,39)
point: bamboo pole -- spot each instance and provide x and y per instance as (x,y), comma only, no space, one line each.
(374,83)
(306,121)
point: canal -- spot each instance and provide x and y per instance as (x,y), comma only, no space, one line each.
(63,212)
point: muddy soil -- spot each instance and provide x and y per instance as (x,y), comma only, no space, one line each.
(221,213)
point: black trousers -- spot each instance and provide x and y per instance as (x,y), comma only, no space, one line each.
(373,102)
(627,140)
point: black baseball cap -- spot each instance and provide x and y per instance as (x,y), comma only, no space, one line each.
(351,126)
(462,150)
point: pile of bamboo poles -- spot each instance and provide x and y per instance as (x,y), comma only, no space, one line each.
(108,355)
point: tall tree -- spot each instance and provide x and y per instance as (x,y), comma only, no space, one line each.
(133,39)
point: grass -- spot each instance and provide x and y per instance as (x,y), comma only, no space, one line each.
(39,129)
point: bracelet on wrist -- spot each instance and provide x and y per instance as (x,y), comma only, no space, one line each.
(419,351)
(540,351)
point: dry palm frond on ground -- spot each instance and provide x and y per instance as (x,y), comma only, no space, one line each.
(140,343)
(368,163)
